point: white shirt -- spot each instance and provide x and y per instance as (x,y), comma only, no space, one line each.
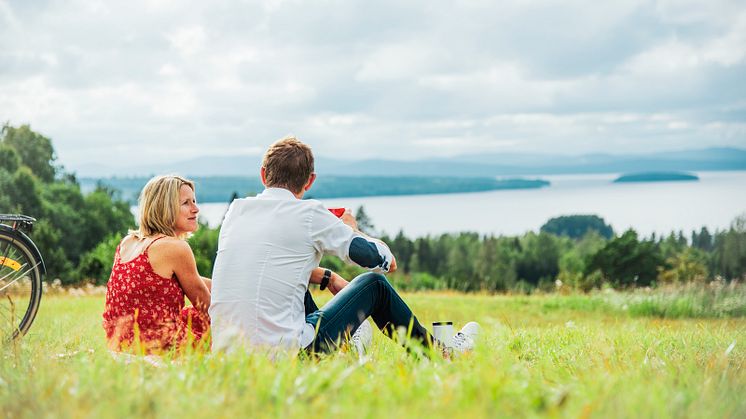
(267,249)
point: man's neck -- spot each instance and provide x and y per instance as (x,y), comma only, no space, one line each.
(297,195)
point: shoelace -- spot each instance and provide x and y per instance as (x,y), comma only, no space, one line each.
(459,339)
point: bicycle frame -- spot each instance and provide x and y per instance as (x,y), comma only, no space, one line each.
(21,222)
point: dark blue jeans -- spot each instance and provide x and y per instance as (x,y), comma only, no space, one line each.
(369,294)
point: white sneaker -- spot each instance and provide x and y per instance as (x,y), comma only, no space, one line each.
(362,337)
(463,340)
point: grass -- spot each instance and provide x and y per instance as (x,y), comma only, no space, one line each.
(539,356)
(714,300)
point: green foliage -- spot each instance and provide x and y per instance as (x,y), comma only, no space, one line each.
(95,266)
(702,240)
(204,244)
(404,250)
(416,281)
(105,213)
(70,224)
(626,262)
(346,271)
(688,265)
(48,238)
(23,192)
(730,250)
(539,258)
(577,226)
(34,150)
(10,161)
(495,264)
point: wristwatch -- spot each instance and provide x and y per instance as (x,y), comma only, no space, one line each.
(325,279)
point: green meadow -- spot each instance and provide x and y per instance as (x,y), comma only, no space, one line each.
(538,356)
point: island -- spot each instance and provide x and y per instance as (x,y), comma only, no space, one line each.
(656,177)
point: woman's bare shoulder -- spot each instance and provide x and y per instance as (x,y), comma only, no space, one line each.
(130,244)
(171,246)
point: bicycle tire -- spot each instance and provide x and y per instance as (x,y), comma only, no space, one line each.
(20,285)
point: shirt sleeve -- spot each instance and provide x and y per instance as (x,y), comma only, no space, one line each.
(333,237)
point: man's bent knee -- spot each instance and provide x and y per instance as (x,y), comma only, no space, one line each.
(372,277)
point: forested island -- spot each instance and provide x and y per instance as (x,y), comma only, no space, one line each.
(656,177)
(223,189)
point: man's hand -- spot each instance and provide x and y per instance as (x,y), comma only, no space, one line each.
(336,283)
(349,219)
(392,266)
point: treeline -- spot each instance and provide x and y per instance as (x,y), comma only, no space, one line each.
(584,259)
(78,233)
(473,262)
(579,251)
(70,224)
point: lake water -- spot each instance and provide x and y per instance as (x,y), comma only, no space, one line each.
(659,207)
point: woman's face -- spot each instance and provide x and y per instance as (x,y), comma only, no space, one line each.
(186,219)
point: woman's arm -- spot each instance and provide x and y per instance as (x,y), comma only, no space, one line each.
(180,255)
(208,283)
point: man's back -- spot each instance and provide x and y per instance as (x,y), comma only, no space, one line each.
(267,249)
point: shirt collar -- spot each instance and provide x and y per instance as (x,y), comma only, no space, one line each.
(277,193)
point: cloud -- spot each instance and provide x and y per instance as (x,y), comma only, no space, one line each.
(163,80)
(187,40)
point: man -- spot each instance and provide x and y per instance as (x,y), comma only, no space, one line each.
(269,249)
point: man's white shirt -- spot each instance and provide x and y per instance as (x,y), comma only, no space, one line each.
(268,247)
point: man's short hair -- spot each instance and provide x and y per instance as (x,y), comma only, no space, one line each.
(288,163)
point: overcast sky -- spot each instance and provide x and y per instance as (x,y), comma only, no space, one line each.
(124,82)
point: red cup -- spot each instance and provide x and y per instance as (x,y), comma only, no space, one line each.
(337,211)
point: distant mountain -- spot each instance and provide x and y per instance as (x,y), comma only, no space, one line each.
(481,165)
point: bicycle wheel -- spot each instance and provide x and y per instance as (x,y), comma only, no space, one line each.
(20,285)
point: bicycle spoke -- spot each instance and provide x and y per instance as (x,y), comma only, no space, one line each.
(13,271)
(19,277)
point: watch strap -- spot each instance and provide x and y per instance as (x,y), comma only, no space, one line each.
(325,279)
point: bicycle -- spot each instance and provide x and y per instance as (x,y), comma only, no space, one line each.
(21,270)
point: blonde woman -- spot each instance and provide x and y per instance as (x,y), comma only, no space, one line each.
(154,268)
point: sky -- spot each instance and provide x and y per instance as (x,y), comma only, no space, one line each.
(149,81)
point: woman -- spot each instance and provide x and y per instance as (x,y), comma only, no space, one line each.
(154,268)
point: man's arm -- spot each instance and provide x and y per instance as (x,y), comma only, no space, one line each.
(332,236)
(363,249)
(336,282)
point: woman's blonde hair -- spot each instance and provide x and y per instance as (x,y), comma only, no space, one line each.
(159,205)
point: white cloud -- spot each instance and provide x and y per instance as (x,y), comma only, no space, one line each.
(160,79)
(188,40)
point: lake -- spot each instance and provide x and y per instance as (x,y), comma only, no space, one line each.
(661,207)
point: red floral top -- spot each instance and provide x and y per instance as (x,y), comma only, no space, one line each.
(144,307)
